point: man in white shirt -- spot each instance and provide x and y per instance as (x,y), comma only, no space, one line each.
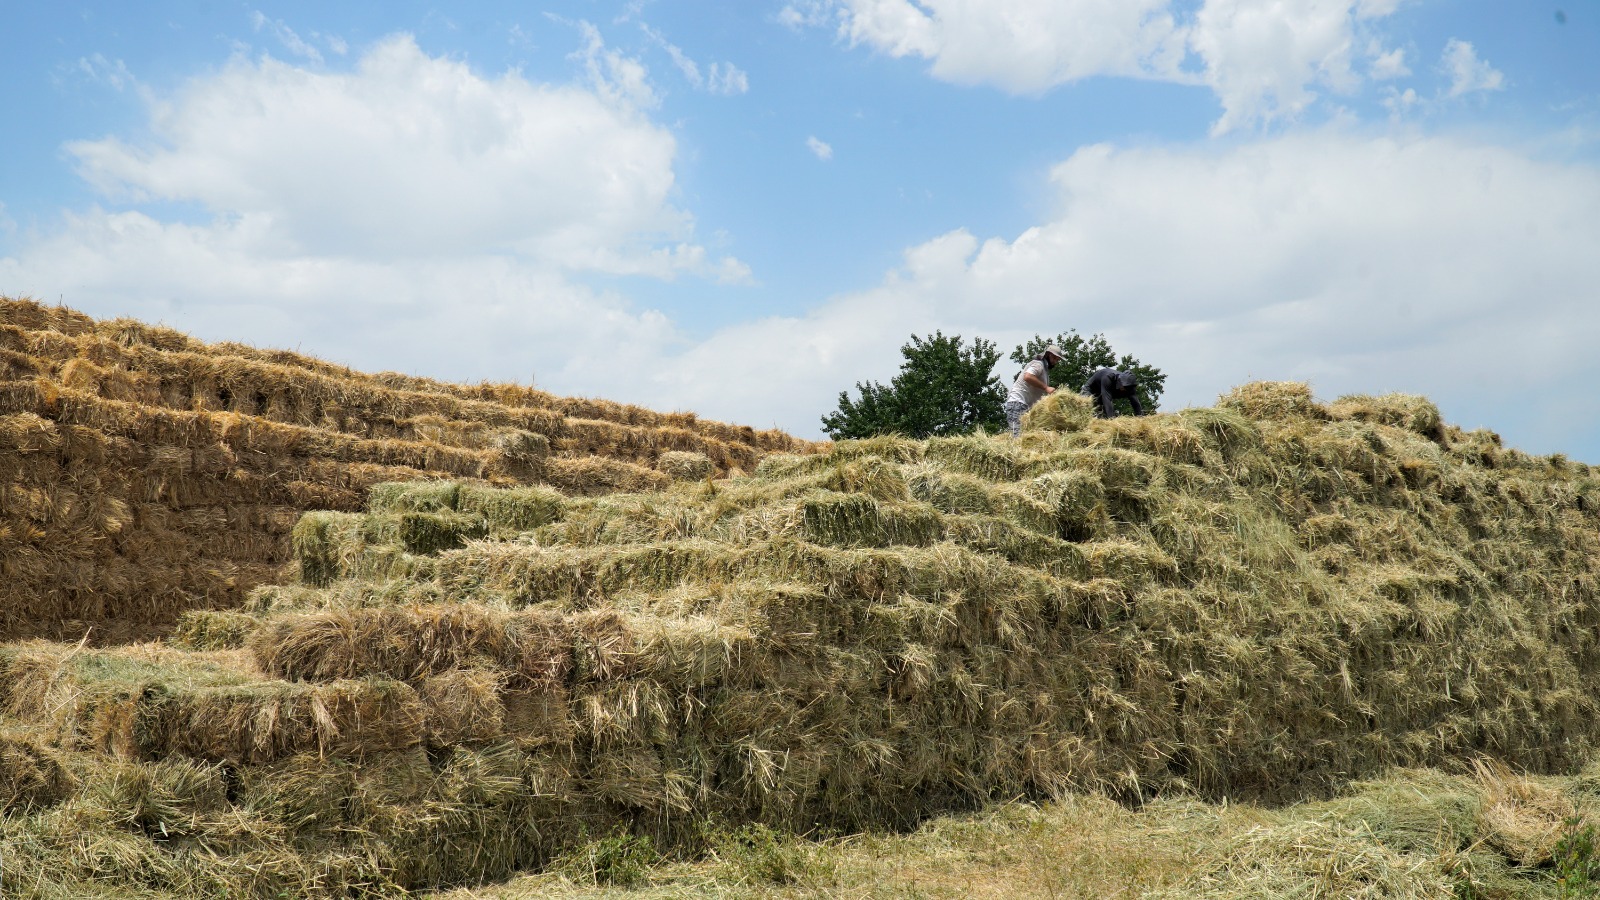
(1031,386)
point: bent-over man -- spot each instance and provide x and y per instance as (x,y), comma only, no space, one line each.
(1107,385)
(1031,386)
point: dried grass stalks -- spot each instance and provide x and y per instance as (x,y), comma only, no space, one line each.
(1260,600)
(144,474)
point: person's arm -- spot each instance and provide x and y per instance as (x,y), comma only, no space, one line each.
(1033,379)
(1133,401)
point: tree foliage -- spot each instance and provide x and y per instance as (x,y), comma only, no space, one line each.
(943,388)
(1082,356)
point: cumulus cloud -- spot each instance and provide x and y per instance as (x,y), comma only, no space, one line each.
(820,149)
(1263,61)
(408,209)
(1467,72)
(1432,266)
(407,155)
(1024,46)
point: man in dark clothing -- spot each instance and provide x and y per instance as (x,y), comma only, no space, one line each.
(1106,385)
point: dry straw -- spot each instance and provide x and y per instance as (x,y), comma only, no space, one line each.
(144,474)
(1262,600)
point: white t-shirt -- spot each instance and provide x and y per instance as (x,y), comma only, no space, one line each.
(1025,393)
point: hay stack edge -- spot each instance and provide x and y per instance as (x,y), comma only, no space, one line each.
(1265,599)
(145,473)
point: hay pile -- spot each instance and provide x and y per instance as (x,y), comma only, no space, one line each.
(1264,599)
(144,473)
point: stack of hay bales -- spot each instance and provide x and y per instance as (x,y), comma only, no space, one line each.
(144,473)
(1264,600)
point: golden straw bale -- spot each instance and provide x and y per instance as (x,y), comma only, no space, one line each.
(685,465)
(1061,411)
(462,706)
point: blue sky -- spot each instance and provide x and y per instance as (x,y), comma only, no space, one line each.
(742,209)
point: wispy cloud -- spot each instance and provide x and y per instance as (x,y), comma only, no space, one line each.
(1467,72)
(285,36)
(720,78)
(821,150)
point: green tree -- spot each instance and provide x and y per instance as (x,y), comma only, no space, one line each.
(943,388)
(1082,356)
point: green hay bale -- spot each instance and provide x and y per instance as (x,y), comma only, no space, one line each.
(858,520)
(994,459)
(31,773)
(213,629)
(1273,401)
(428,534)
(1228,430)
(872,476)
(888,447)
(1129,562)
(686,465)
(414,496)
(1076,500)
(949,492)
(317,541)
(1167,437)
(1063,411)
(992,534)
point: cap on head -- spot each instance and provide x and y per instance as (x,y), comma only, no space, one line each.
(1055,351)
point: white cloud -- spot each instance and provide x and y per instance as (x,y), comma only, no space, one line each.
(1430,266)
(727,78)
(1387,64)
(407,155)
(613,75)
(1023,46)
(822,150)
(720,78)
(408,212)
(1264,61)
(1467,72)
(112,73)
(286,36)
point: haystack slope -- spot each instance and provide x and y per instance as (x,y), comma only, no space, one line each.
(1264,599)
(144,473)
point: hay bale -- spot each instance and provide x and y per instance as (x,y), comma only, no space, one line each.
(860,520)
(414,496)
(1407,411)
(995,459)
(31,773)
(213,629)
(462,706)
(685,465)
(1062,411)
(1273,401)
(511,511)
